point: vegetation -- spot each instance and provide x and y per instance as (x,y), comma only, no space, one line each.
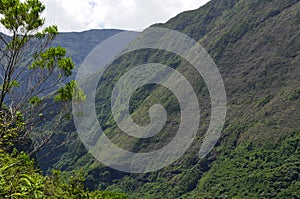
(30,70)
(32,75)
(20,179)
(250,172)
(255,45)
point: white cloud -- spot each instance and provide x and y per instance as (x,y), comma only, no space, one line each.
(78,15)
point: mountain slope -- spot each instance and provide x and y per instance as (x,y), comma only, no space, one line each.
(78,46)
(255,45)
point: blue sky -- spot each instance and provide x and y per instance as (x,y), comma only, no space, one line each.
(79,15)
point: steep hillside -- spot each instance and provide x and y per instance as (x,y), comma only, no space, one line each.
(78,45)
(255,45)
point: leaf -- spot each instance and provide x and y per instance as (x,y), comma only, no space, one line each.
(70,91)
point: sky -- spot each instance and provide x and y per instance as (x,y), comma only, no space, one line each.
(79,15)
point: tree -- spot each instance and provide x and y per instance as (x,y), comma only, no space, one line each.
(19,178)
(33,74)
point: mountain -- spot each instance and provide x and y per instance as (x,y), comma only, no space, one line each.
(79,44)
(255,45)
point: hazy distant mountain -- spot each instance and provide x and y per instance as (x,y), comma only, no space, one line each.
(79,44)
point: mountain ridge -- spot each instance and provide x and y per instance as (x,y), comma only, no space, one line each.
(255,45)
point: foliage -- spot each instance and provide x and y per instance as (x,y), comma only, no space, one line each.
(30,70)
(255,45)
(69,92)
(20,179)
(248,171)
(9,130)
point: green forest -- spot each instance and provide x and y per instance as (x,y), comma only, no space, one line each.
(255,45)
